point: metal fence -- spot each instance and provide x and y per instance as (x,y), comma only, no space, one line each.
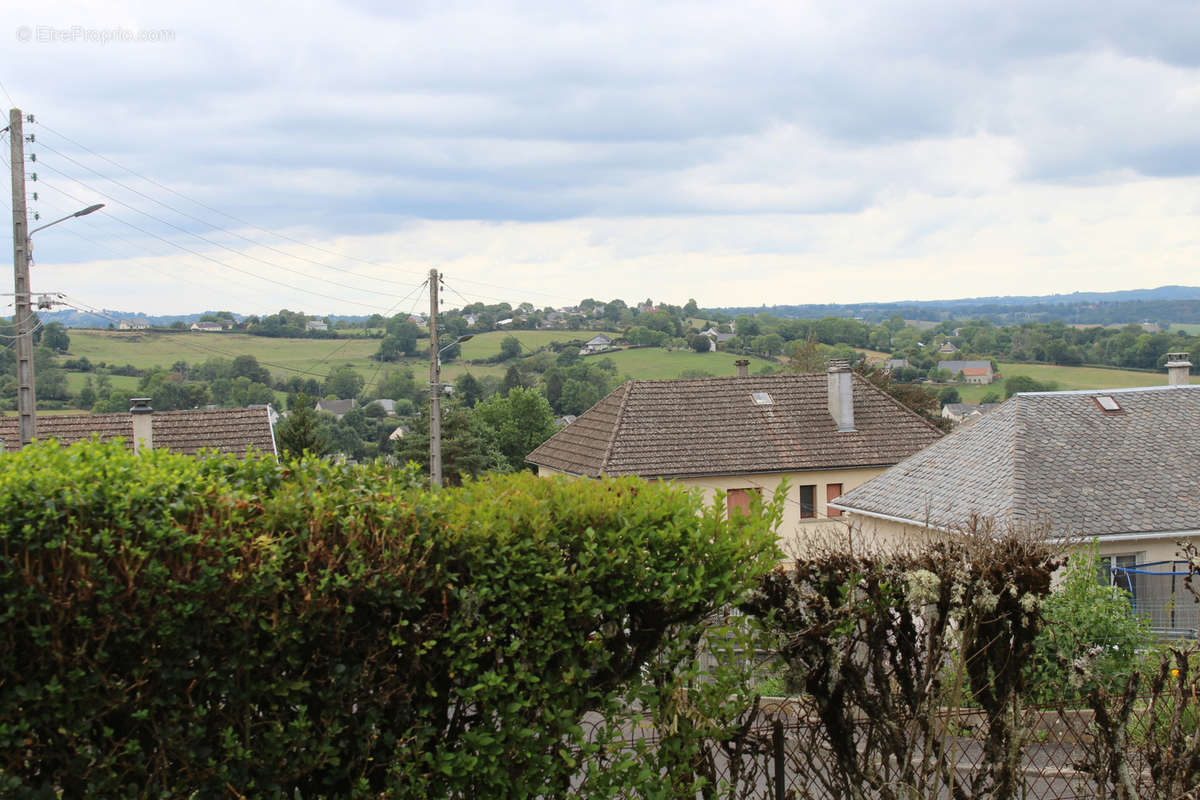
(1158,593)
(785,755)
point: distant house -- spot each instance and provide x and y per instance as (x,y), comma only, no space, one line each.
(228,430)
(597,344)
(947,348)
(966,413)
(387,404)
(716,337)
(133,325)
(895,363)
(316,325)
(978,372)
(336,407)
(207,327)
(742,436)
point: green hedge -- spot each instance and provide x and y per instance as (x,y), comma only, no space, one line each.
(177,627)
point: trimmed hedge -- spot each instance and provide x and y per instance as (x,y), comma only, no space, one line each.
(177,627)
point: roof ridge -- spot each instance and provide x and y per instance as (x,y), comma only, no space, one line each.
(1017,454)
(612,437)
(898,404)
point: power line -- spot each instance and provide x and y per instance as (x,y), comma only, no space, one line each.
(251,225)
(216,260)
(219,245)
(219,228)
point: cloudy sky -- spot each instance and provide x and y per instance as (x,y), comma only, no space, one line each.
(324,156)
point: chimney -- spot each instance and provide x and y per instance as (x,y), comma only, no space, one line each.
(841,393)
(1178,369)
(143,423)
(743,365)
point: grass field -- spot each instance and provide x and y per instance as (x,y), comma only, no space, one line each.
(313,358)
(1192,328)
(1067,378)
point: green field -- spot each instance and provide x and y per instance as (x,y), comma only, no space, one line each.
(648,363)
(485,345)
(1067,378)
(284,357)
(313,358)
(77,380)
(1192,328)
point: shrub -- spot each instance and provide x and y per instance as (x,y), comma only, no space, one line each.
(1091,635)
(175,627)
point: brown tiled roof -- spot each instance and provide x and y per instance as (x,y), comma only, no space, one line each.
(712,426)
(228,430)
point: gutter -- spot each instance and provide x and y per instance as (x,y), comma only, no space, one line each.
(889,517)
(1131,537)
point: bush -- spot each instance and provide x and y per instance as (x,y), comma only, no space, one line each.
(175,627)
(1091,635)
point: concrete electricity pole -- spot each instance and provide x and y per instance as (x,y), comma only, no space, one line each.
(435,387)
(23,317)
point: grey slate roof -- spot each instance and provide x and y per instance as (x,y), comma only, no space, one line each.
(228,430)
(1058,458)
(712,426)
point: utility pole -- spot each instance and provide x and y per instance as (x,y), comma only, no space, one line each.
(26,402)
(435,387)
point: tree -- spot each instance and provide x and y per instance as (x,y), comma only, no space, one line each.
(344,382)
(807,356)
(1023,383)
(915,398)
(55,337)
(520,422)
(247,366)
(510,347)
(700,343)
(512,380)
(949,395)
(468,447)
(301,432)
(468,390)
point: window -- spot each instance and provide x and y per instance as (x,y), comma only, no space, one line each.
(762,398)
(832,492)
(808,502)
(739,500)
(1125,580)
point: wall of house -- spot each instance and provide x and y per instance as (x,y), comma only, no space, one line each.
(1146,550)
(795,529)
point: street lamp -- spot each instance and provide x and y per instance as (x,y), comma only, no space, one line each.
(82,213)
(22,258)
(435,409)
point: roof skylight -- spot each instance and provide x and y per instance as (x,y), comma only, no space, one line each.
(1107,402)
(762,398)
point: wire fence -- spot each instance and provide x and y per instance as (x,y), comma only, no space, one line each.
(1157,592)
(784,754)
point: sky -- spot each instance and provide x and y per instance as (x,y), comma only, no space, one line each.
(324,156)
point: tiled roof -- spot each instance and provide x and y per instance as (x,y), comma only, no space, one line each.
(712,426)
(229,430)
(1058,458)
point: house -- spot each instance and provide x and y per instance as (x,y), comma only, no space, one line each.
(895,363)
(744,435)
(948,348)
(387,404)
(316,325)
(1118,466)
(979,372)
(133,325)
(597,344)
(716,337)
(336,407)
(227,430)
(207,327)
(966,413)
